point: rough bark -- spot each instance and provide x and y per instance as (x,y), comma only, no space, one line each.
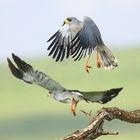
(95,127)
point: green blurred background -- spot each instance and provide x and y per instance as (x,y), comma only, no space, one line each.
(27,113)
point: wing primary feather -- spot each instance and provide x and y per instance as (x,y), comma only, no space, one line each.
(58,57)
(52,50)
(54,42)
(80,52)
(63,55)
(76,48)
(81,55)
(16,72)
(55,47)
(59,54)
(75,42)
(55,52)
(31,76)
(85,53)
(76,51)
(67,53)
(60,51)
(21,64)
(77,35)
(68,48)
(53,36)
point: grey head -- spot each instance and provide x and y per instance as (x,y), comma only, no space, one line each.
(71,20)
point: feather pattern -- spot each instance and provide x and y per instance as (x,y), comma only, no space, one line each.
(26,72)
(101,96)
(78,39)
(61,42)
(74,37)
(87,38)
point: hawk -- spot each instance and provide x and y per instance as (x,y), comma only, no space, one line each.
(26,72)
(79,39)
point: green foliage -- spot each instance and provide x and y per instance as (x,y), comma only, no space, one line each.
(28,113)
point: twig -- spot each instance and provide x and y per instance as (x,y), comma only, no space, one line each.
(89,115)
(95,127)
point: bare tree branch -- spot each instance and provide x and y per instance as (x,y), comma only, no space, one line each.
(95,127)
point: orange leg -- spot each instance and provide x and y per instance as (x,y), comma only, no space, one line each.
(86,66)
(73,105)
(98,64)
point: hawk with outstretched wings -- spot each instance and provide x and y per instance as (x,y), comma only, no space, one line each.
(26,73)
(79,39)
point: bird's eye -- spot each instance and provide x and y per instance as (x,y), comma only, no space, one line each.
(69,19)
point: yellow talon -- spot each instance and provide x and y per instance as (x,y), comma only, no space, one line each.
(87,67)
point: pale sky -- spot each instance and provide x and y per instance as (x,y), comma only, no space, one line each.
(26,25)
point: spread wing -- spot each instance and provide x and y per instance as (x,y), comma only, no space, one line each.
(60,46)
(86,39)
(26,73)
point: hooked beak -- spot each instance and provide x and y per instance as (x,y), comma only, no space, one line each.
(66,22)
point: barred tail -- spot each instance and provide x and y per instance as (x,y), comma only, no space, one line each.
(106,58)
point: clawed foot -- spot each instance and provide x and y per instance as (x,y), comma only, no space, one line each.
(87,67)
(73,112)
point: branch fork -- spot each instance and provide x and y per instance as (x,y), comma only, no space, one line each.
(95,126)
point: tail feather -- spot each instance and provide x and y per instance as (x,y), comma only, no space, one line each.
(110,94)
(107,59)
(101,96)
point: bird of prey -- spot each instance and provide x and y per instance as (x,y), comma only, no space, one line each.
(79,39)
(25,72)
